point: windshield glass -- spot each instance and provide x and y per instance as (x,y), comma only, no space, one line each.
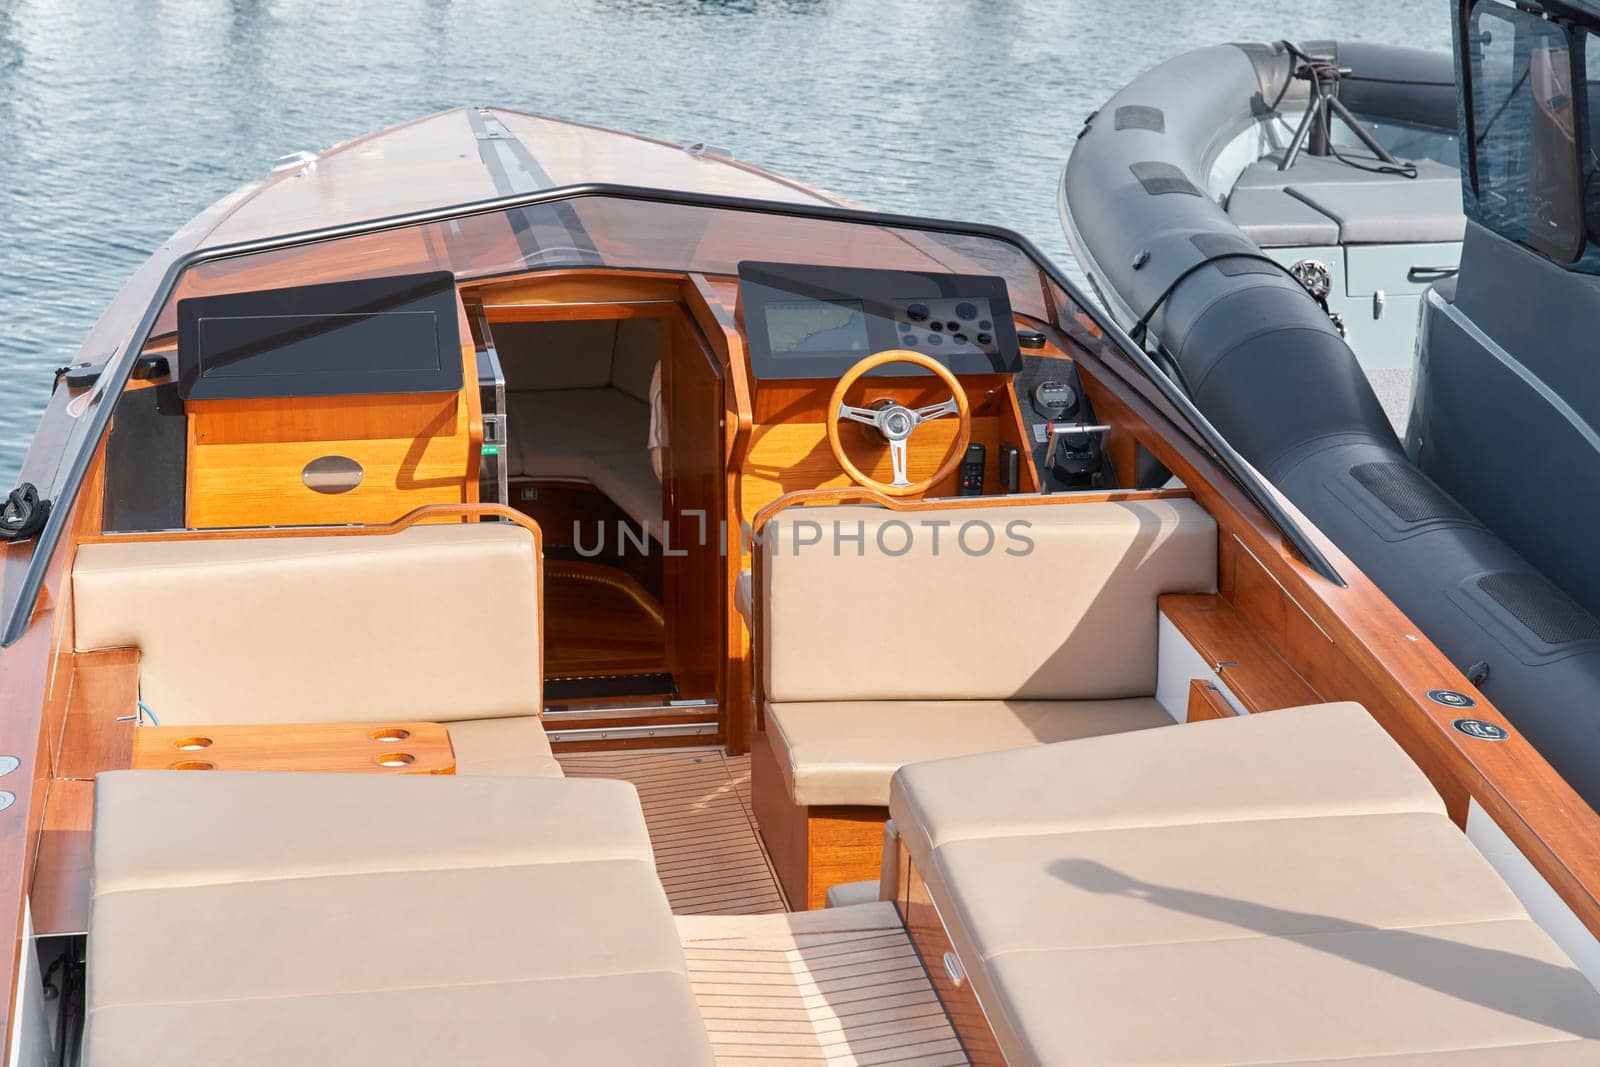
(563,232)
(616,232)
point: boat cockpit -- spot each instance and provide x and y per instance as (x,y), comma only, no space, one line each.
(754,505)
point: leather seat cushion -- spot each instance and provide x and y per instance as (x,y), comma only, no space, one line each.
(1342,765)
(1079,605)
(323,629)
(1286,887)
(846,752)
(503,746)
(248,912)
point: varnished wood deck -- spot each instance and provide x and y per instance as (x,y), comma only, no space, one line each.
(697,804)
(839,986)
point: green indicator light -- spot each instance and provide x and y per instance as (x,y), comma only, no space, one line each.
(491,450)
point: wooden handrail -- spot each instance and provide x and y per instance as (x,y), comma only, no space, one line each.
(404,522)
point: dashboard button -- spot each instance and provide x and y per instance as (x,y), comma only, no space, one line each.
(936,326)
(984,339)
(917,312)
(985,324)
(966,312)
(958,338)
(935,340)
(952,324)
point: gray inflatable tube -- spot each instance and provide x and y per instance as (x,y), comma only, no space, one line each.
(1262,361)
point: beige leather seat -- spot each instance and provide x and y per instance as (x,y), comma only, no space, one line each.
(437,623)
(274,919)
(579,406)
(1275,888)
(875,657)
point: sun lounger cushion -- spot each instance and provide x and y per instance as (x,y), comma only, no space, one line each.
(1283,887)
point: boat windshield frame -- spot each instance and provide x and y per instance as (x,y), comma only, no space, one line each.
(118,367)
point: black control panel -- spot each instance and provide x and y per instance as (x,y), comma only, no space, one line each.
(809,321)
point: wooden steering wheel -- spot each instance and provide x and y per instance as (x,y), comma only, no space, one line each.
(897,422)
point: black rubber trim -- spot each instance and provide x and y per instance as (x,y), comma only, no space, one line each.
(1236,255)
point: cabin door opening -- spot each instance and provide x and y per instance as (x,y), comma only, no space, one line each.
(614,448)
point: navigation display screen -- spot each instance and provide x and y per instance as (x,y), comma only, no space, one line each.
(809,321)
(816,326)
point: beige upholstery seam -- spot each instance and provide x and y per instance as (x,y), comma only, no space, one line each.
(1260,936)
(681,975)
(648,862)
(1366,1057)
(1127,828)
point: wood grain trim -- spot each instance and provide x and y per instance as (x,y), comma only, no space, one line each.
(1206,702)
(105,689)
(1251,669)
(336,747)
(862,495)
(425,513)
(923,922)
(586,310)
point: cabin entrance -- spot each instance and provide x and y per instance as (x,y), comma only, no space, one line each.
(612,445)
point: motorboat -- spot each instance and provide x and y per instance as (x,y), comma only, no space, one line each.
(1480,542)
(502,589)
(1334,160)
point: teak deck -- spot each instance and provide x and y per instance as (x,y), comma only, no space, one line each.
(842,986)
(697,806)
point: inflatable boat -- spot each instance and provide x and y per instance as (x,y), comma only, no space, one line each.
(1337,160)
(1260,351)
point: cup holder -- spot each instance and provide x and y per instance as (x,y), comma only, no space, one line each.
(192,744)
(194,765)
(395,759)
(390,734)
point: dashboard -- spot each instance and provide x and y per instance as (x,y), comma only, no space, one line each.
(810,321)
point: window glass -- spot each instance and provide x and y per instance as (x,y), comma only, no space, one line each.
(1525,151)
(1591,141)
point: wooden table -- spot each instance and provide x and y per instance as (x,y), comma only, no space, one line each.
(345,747)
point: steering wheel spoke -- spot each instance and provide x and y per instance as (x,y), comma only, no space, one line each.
(937,411)
(897,456)
(854,414)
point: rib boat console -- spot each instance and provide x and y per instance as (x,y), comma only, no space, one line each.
(632,608)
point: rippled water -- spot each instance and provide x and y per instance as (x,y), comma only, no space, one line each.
(120,119)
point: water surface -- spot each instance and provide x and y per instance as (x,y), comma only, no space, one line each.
(120,119)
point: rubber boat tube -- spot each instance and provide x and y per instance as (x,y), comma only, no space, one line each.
(1261,359)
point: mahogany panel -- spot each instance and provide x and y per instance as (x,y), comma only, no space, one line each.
(694,568)
(246,457)
(1252,669)
(98,732)
(932,942)
(1206,702)
(60,894)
